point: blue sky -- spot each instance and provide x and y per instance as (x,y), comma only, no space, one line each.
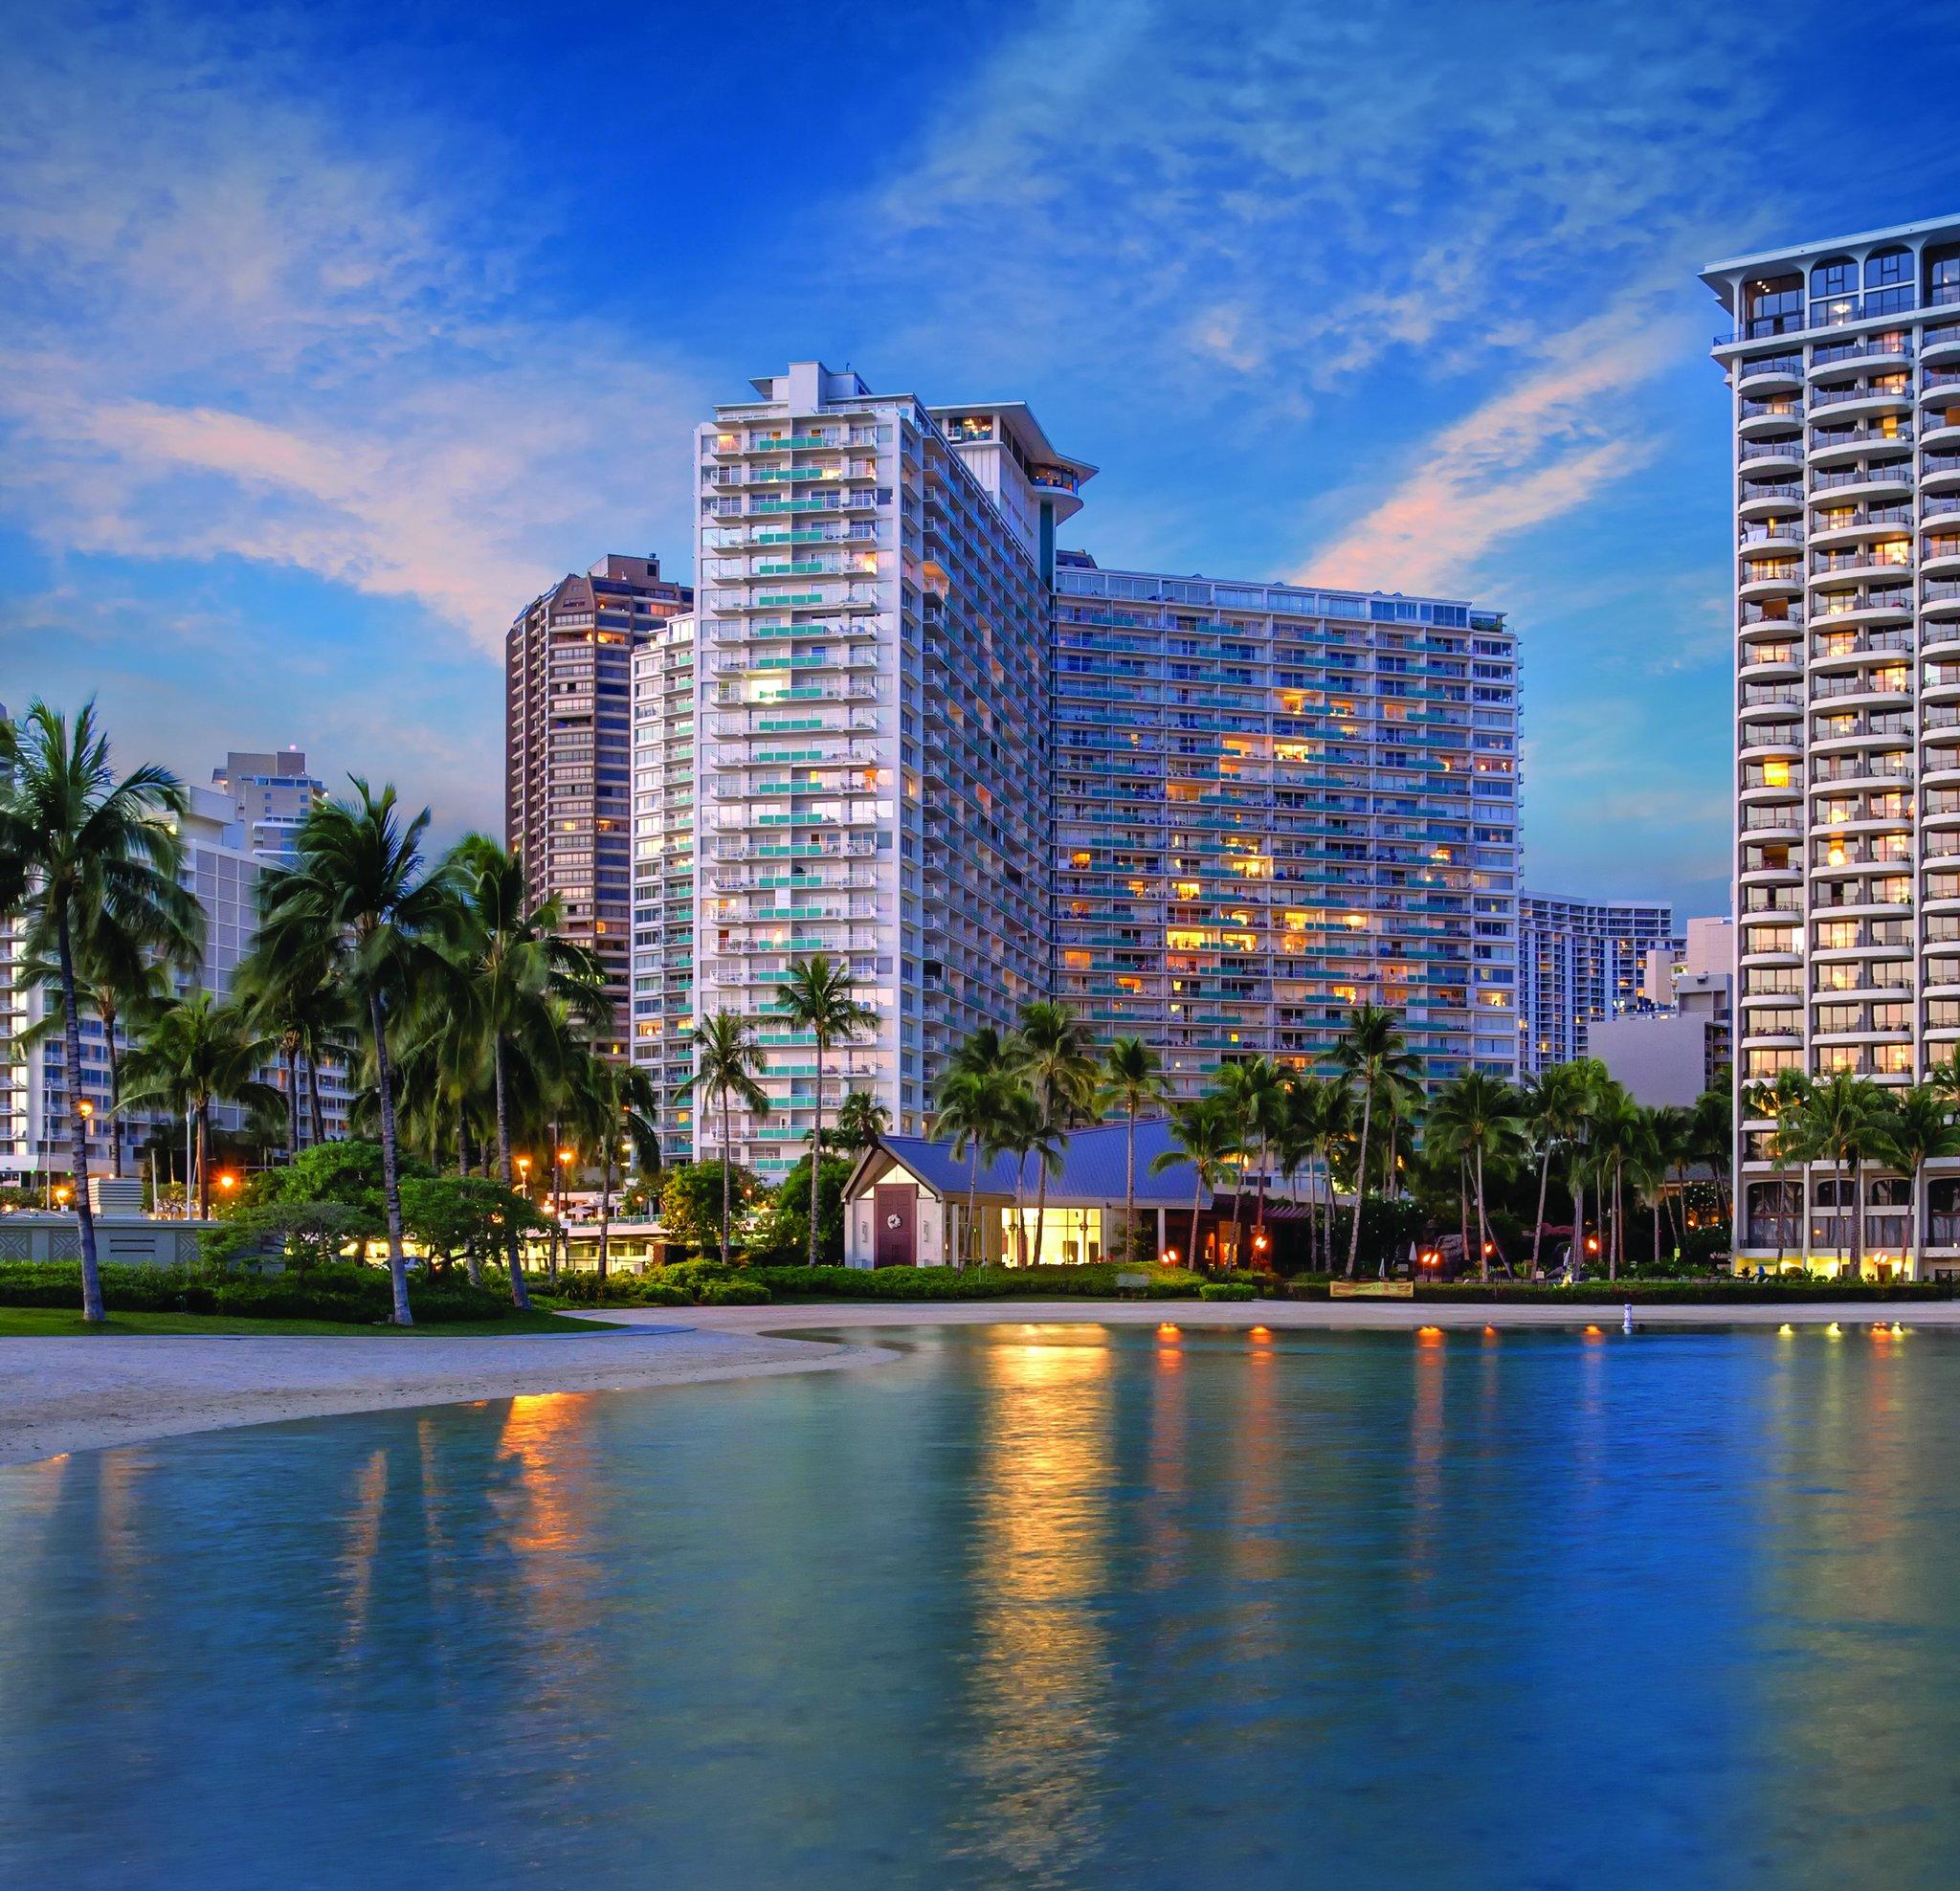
(330,335)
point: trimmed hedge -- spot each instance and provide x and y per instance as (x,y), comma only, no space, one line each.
(1097,1282)
(621,1290)
(734,1293)
(1228,1290)
(356,1296)
(1725,1291)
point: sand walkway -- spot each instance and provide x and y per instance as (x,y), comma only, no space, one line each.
(78,1394)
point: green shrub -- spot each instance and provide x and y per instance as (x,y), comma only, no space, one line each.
(1726,1291)
(353,1294)
(1228,1290)
(733,1293)
(1096,1281)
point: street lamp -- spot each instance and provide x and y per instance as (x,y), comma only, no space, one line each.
(227,1181)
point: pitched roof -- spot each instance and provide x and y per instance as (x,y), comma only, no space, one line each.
(1091,1173)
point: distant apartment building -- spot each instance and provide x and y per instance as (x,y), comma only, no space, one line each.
(272,794)
(222,873)
(1580,960)
(1273,803)
(1676,1042)
(663,899)
(15,1133)
(569,752)
(1843,365)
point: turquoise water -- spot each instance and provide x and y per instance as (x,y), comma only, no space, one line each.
(1049,1606)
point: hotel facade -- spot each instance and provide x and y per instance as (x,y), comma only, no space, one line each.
(902,729)
(1843,365)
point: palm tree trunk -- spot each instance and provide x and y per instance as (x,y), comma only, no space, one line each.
(726,1129)
(1040,1212)
(292,1102)
(202,1113)
(390,1170)
(1197,1202)
(1483,1241)
(462,1139)
(1463,1207)
(557,1206)
(513,1244)
(1578,1265)
(1857,1217)
(105,1010)
(1238,1203)
(313,1107)
(816,1149)
(71,1046)
(1538,1225)
(1360,1180)
(969,1244)
(1129,1187)
(1656,1233)
(1613,1245)
(605,1217)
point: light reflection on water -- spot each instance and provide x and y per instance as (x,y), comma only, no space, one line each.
(1049,1605)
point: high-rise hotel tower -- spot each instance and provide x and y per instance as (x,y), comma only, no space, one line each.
(1844,362)
(871,744)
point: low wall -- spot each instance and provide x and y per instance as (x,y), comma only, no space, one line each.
(127,1240)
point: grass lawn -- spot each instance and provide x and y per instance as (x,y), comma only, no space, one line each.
(30,1321)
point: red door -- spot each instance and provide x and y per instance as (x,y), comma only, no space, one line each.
(895,1206)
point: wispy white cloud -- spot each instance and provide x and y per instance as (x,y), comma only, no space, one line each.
(238,326)
(1541,448)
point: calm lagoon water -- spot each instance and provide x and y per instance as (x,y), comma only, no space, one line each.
(1052,1606)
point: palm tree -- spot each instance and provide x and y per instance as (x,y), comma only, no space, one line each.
(1553,1103)
(1203,1134)
(507,949)
(1846,1121)
(862,1120)
(817,999)
(1329,1127)
(1022,1129)
(1780,1102)
(124,983)
(360,894)
(296,999)
(1619,1135)
(1253,1095)
(1371,1052)
(198,1053)
(80,849)
(619,1110)
(974,1105)
(727,1060)
(1053,1052)
(1480,1119)
(1132,1081)
(1923,1130)
(1710,1138)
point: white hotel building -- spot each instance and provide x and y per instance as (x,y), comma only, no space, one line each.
(872,748)
(1844,362)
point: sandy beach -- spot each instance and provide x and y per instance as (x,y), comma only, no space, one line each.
(78,1394)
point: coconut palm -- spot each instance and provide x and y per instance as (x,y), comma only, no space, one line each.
(1370,1053)
(506,948)
(1132,1081)
(862,1120)
(1328,1107)
(817,999)
(973,1105)
(1203,1133)
(1780,1103)
(1554,1102)
(617,1111)
(1922,1131)
(1022,1129)
(727,1060)
(1480,1119)
(1710,1138)
(1619,1136)
(1051,1050)
(360,894)
(124,983)
(295,998)
(80,849)
(1252,1094)
(1847,1122)
(197,1052)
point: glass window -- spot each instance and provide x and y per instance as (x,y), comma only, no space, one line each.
(1883,268)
